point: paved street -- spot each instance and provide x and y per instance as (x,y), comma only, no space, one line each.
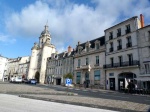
(106,94)
(11,103)
(102,99)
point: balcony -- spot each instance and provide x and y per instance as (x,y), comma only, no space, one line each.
(119,47)
(84,67)
(129,45)
(128,31)
(118,34)
(110,37)
(97,64)
(111,49)
(122,64)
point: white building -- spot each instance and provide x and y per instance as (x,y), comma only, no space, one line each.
(40,53)
(122,57)
(144,53)
(3,67)
(58,65)
(88,63)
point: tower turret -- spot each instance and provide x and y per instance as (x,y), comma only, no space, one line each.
(45,35)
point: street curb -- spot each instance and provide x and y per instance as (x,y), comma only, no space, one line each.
(77,103)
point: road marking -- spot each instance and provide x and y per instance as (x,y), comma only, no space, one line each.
(70,88)
(77,89)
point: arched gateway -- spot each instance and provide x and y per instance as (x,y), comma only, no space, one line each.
(37,76)
(124,79)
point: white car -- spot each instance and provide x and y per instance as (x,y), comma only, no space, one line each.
(18,79)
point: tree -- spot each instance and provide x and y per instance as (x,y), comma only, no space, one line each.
(68,75)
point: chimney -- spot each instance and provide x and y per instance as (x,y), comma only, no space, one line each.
(69,49)
(142,20)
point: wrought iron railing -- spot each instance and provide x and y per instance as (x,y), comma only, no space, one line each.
(122,64)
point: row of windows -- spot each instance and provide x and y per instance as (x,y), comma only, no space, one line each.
(87,61)
(120,59)
(59,62)
(59,70)
(119,47)
(128,30)
(97,76)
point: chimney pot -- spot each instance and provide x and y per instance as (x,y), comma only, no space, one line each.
(142,20)
(69,49)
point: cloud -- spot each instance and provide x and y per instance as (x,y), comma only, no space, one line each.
(6,39)
(70,22)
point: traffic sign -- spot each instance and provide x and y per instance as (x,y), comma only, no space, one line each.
(68,82)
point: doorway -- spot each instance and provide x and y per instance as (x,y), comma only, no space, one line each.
(37,76)
(58,81)
(112,83)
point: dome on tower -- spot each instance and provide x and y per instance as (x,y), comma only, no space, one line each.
(45,32)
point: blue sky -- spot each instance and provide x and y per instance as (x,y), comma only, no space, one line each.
(70,21)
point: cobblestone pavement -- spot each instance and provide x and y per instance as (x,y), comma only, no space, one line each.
(11,88)
(48,94)
(124,106)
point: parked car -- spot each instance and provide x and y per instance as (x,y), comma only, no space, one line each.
(32,81)
(18,80)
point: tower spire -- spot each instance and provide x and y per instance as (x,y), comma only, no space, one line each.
(46,26)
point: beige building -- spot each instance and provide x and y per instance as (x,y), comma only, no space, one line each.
(23,69)
(88,63)
(14,66)
(39,54)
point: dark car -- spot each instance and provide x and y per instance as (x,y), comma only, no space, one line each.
(32,81)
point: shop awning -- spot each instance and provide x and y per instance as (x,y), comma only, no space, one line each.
(142,79)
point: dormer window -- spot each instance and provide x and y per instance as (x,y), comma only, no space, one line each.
(97,44)
(80,49)
(87,48)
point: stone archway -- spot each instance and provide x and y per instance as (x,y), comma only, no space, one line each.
(124,79)
(37,76)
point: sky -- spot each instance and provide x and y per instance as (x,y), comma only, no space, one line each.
(69,21)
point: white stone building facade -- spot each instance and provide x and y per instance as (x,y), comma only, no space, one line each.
(3,67)
(39,54)
(122,57)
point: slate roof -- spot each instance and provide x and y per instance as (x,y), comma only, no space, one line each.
(92,42)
